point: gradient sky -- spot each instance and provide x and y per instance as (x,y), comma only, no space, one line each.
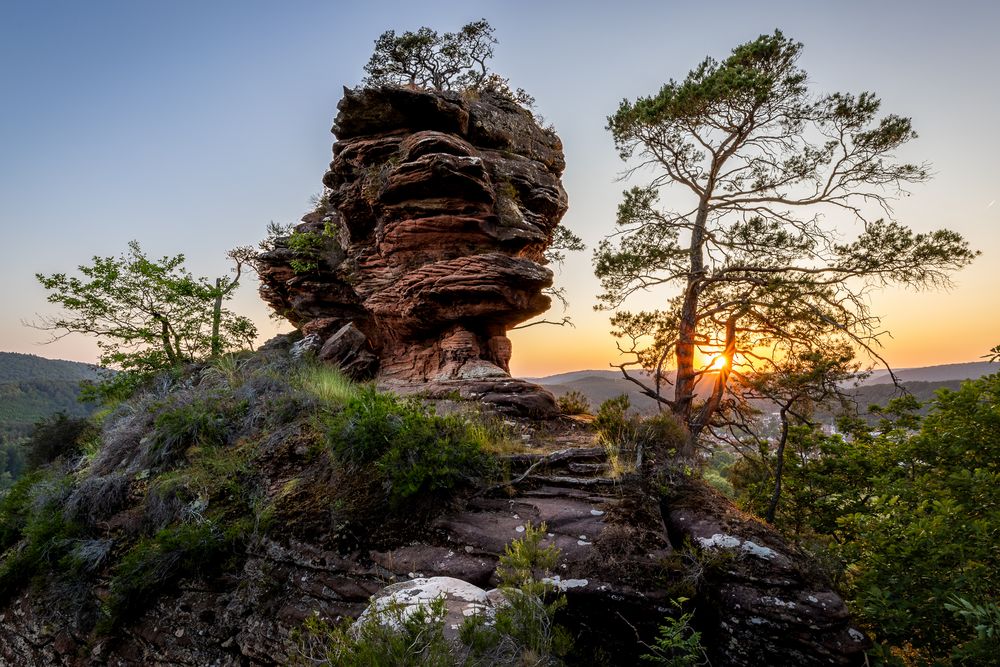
(188,125)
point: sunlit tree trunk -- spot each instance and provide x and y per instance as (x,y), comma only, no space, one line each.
(688,328)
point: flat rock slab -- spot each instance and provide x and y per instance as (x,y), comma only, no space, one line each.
(572,524)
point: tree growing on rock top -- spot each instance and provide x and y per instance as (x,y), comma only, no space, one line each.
(425,59)
(752,164)
(451,61)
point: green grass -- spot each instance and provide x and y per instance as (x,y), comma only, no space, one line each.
(327,384)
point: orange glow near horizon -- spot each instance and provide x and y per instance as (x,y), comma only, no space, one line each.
(718,362)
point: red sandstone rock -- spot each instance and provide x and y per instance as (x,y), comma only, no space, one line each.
(430,240)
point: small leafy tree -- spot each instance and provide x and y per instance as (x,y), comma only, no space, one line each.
(797,383)
(147,314)
(677,644)
(753,163)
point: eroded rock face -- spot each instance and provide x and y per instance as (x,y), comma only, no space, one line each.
(764,602)
(430,240)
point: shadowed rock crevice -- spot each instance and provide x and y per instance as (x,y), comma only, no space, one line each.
(430,241)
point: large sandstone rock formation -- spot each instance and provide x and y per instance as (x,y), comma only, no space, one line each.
(430,242)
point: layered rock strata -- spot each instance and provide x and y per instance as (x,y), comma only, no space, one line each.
(429,241)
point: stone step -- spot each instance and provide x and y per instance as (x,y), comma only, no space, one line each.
(594,469)
(573,482)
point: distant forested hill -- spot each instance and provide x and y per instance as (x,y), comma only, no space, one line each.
(32,388)
(600,385)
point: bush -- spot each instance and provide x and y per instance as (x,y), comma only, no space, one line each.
(984,618)
(31,513)
(58,436)
(15,507)
(182,427)
(309,246)
(573,403)
(97,498)
(185,550)
(190,421)
(629,439)
(415,453)
(522,632)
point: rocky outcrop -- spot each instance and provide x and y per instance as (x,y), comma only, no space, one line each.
(622,560)
(430,240)
(763,602)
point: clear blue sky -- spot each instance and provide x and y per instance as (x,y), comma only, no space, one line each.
(189,125)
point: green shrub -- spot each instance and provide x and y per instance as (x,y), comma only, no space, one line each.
(15,507)
(58,436)
(154,563)
(524,630)
(415,452)
(677,644)
(984,619)
(201,422)
(573,403)
(395,637)
(31,513)
(308,246)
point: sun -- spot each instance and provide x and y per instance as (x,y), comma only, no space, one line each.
(718,362)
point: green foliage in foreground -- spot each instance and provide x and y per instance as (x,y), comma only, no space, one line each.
(403,639)
(32,511)
(414,452)
(171,485)
(521,632)
(154,563)
(677,644)
(907,516)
